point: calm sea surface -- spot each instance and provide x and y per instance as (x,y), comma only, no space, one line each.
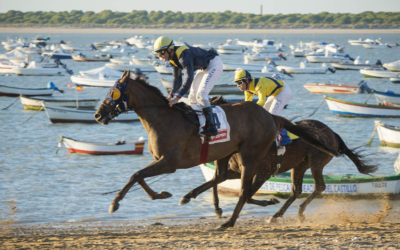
(37,185)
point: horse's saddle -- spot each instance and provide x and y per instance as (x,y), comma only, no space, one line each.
(196,116)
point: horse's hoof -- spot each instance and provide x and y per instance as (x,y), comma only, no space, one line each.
(274,201)
(184,201)
(271,220)
(301,218)
(113,207)
(225,226)
(164,195)
(218,212)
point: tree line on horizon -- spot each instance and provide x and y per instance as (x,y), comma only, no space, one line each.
(227,19)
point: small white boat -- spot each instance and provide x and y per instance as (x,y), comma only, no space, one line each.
(130,66)
(94,58)
(36,69)
(98,77)
(387,97)
(120,147)
(69,115)
(332,88)
(392,66)
(346,108)
(356,65)
(248,67)
(14,91)
(389,135)
(328,59)
(348,184)
(379,73)
(303,69)
(218,89)
(36,103)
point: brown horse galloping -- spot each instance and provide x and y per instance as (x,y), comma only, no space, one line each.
(299,157)
(175,144)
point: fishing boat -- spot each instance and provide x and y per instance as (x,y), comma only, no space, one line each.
(393,66)
(387,97)
(304,69)
(14,91)
(346,108)
(218,89)
(389,135)
(36,103)
(69,115)
(119,147)
(329,88)
(379,73)
(95,58)
(348,185)
(98,77)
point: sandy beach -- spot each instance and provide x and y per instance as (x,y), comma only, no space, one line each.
(336,229)
(65,30)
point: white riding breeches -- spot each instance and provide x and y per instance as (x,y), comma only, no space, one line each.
(275,104)
(204,81)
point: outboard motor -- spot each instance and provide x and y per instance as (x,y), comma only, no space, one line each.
(364,87)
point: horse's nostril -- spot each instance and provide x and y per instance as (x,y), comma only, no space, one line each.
(97,116)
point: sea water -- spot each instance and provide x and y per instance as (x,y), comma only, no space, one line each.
(39,185)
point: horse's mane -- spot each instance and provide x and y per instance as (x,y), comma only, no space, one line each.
(151,88)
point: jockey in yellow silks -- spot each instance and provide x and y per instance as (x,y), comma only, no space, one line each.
(273,94)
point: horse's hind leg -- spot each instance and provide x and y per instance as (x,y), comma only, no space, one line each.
(319,188)
(258,181)
(154,169)
(297,182)
(220,175)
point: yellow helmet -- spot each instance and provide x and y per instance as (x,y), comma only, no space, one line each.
(241,74)
(162,42)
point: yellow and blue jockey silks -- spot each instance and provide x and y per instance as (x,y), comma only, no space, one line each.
(263,87)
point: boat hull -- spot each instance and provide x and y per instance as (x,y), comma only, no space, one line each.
(389,136)
(345,108)
(70,115)
(74,146)
(13,91)
(349,185)
(331,88)
(37,103)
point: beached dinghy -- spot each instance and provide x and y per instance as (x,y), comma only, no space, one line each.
(120,147)
(347,185)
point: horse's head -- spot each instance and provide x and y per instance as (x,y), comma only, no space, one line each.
(115,102)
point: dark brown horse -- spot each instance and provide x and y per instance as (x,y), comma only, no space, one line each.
(299,157)
(175,144)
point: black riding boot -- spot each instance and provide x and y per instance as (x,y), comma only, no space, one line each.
(210,128)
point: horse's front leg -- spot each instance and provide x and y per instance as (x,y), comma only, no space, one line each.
(155,168)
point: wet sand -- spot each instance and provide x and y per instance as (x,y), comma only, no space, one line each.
(379,230)
(65,30)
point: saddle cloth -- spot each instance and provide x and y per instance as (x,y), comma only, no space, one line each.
(221,122)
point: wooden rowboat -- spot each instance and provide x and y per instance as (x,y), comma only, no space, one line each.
(120,147)
(346,108)
(331,88)
(349,185)
(14,91)
(36,103)
(389,135)
(68,115)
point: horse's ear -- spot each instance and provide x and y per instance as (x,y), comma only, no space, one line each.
(125,76)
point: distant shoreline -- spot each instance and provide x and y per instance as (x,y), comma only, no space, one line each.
(63,30)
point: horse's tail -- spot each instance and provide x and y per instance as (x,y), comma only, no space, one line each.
(282,122)
(355,157)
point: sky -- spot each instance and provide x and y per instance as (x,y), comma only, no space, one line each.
(243,6)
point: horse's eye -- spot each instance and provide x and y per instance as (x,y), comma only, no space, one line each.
(116,94)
